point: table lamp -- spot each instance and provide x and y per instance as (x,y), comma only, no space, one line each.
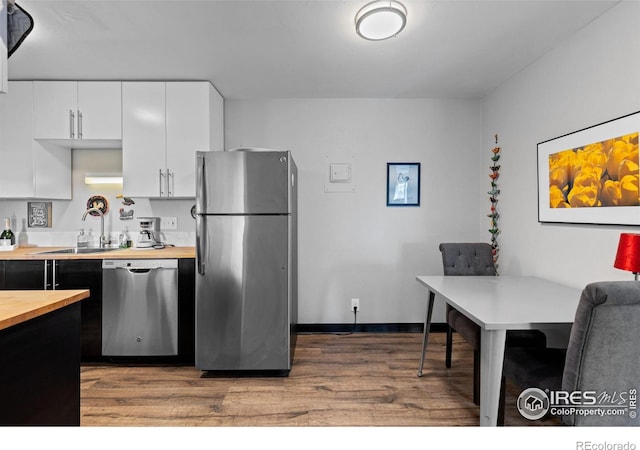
(628,256)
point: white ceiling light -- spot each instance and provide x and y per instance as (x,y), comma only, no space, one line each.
(381,20)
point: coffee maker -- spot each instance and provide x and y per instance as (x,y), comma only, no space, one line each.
(149,232)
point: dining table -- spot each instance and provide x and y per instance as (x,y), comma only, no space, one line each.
(498,304)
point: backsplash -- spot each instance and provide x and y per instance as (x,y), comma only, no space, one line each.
(68,239)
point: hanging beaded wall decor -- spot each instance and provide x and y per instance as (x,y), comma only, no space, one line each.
(493,197)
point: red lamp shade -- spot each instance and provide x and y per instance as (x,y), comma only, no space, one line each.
(628,256)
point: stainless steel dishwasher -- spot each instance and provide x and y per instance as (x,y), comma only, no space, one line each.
(139,307)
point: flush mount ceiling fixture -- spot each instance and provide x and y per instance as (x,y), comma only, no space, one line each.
(381,20)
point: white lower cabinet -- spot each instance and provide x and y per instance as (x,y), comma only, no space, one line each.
(163,125)
(29,169)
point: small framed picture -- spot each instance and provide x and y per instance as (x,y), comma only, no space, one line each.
(403,184)
(39,214)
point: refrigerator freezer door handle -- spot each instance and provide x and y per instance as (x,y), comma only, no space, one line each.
(201,191)
(201,236)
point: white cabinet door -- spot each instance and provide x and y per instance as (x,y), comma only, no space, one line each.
(164,124)
(187,132)
(30,169)
(71,110)
(52,171)
(3,47)
(55,108)
(99,110)
(16,121)
(143,139)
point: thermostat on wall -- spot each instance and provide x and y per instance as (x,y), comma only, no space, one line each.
(339,174)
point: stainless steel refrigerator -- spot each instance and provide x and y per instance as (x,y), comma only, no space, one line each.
(246,257)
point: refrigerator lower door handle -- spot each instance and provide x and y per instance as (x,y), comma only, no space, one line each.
(201,243)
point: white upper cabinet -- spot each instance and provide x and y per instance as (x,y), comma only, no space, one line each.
(29,169)
(77,111)
(3,46)
(164,124)
(143,139)
(194,123)
(16,154)
(100,109)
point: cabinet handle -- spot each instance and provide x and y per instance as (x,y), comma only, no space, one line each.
(79,124)
(170,183)
(46,277)
(53,270)
(161,183)
(72,119)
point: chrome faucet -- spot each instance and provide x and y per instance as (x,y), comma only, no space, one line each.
(99,211)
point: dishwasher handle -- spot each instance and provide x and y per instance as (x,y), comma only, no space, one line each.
(139,269)
(134,270)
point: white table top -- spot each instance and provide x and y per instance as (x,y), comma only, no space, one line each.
(507,302)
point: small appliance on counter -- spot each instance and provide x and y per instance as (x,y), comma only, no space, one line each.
(149,232)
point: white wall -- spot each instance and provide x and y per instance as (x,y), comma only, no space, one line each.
(593,77)
(352,244)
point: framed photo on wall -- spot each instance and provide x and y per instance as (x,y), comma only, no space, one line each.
(591,175)
(39,214)
(403,184)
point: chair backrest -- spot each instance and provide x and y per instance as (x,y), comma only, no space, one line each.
(603,354)
(467,258)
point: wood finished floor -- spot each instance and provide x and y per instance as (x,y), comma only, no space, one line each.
(336,380)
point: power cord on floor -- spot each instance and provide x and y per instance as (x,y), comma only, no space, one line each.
(353,329)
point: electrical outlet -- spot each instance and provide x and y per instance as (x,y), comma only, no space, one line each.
(355,304)
(168,223)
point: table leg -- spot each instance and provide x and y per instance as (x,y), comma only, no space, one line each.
(427,326)
(491,359)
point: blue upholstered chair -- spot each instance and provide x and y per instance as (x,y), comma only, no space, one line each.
(603,354)
(476,258)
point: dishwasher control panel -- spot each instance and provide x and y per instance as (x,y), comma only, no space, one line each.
(139,263)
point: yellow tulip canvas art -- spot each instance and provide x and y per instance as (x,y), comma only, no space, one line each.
(600,174)
(592,175)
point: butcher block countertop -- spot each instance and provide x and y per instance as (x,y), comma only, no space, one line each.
(30,253)
(20,306)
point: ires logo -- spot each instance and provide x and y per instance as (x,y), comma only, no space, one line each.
(534,403)
(565,398)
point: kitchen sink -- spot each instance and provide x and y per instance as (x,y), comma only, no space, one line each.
(76,251)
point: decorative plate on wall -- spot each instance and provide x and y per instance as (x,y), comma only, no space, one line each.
(99,202)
